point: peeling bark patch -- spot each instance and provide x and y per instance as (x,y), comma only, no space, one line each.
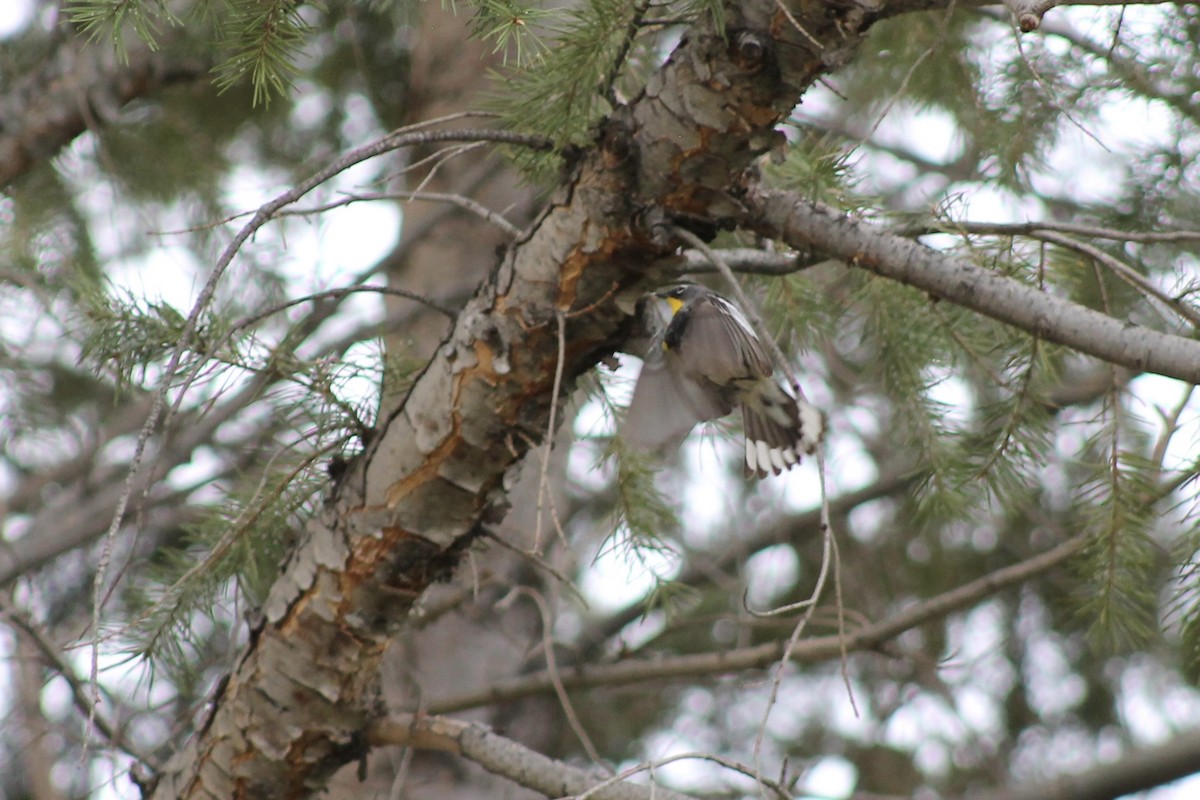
(484,368)
(575,267)
(462,469)
(366,553)
(445,460)
(572,270)
(428,469)
(425,410)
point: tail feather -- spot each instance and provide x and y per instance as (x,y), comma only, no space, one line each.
(779,430)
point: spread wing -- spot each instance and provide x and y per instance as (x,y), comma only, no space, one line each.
(720,344)
(667,404)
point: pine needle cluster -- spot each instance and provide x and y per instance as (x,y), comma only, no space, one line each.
(514,29)
(264,39)
(563,89)
(108,19)
(1117,505)
(820,168)
(227,560)
(126,335)
(642,518)
(588,57)
(232,549)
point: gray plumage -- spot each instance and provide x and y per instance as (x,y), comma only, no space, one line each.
(704,360)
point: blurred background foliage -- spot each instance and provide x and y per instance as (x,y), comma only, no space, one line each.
(961,446)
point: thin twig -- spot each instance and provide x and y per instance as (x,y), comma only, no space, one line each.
(467,204)
(552,670)
(661,762)
(540,562)
(827,558)
(542,478)
(338,294)
(943,27)
(1073,228)
(1122,271)
(1054,101)
(79,694)
(746,260)
(403,137)
(1170,427)
(438,159)
(844,656)
(724,662)
(787,12)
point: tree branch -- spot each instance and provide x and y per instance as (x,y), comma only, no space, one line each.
(506,758)
(747,260)
(1136,771)
(465,203)
(868,246)
(809,651)
(1037,227)
(438,470)
(794,528)
(79,85)
(79,695)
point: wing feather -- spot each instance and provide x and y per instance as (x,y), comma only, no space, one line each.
(667,404)
(720,345)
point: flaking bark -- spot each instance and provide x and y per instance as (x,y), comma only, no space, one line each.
(294,708)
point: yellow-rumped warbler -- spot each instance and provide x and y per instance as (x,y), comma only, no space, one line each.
(705,359)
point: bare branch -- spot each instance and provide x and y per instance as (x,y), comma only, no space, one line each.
(1035,228)
(1137,771)
(79,695)
(797,529)
(80,85)
(807,651)
(506,758)
(1057,233)
(747,260)
(463,202)
(350,198)
(338,294)
(868,246)
(560,692)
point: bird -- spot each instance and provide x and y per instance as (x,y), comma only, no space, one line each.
(703,359)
